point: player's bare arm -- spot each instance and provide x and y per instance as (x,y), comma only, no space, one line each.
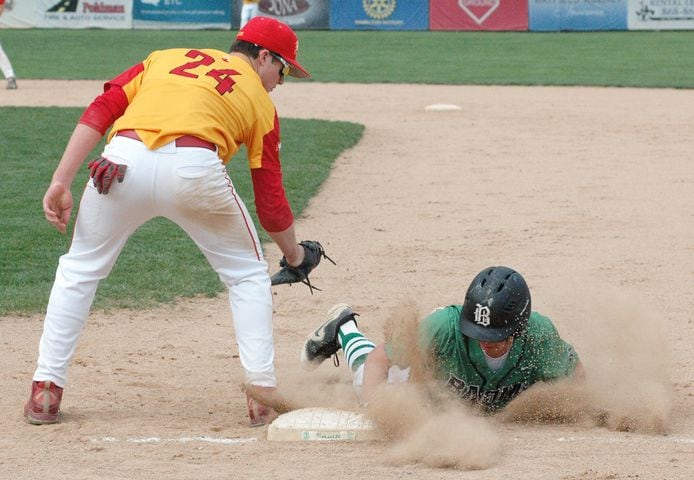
(58,202)
(286,241)
(375,369)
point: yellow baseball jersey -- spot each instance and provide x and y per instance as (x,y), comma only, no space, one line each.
(205,93)
(208,94)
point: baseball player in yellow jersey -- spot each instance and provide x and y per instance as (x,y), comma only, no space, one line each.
(5,64)
(176,118)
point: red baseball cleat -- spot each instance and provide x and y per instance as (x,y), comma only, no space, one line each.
(43,406)
(258,413)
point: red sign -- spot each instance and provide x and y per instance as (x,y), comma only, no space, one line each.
(478,14)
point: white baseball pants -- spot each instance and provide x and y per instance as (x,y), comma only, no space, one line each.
(189,186)
(395,375)
(5,65)
(248,11)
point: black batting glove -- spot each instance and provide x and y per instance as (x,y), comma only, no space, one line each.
(103,171)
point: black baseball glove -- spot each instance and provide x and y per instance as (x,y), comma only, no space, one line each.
(313,252)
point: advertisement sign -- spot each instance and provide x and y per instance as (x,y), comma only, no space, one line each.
(478,15)
(177,14)
(379,15)
(661,15)
(84,14)
(298,14)
(557,15)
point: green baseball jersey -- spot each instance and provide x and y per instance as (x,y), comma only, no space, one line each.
(537,354)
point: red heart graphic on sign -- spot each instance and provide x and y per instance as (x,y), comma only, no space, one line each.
(479,10)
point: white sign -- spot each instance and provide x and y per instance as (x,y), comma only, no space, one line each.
(115,14)
(660,15)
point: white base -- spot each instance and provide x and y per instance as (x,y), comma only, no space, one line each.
(442,107)
(322,424)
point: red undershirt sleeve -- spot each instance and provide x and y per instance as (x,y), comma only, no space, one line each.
(271,204)
(110,105)
(105,109)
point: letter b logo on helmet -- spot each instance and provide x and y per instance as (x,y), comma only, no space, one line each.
(481,315)
(497,305)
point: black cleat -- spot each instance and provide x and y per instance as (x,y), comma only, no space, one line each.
(323,343)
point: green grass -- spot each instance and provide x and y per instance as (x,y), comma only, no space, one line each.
(160,254)
(635,59)
(160,262)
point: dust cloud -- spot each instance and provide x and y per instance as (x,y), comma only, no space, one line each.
(424,424)
(436,432)
(627,364)
(627,385)
(626,388)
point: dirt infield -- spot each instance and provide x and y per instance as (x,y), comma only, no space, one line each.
(588,192)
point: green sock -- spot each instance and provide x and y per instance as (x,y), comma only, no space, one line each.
(355,346)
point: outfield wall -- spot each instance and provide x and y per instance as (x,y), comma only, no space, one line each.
(457,15)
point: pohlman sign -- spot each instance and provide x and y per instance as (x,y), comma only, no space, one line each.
(84,14)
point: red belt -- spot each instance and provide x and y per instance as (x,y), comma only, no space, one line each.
(184,141)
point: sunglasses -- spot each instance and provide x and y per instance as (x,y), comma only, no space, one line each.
(286,68)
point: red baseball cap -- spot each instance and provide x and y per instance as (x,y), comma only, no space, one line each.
(277,37)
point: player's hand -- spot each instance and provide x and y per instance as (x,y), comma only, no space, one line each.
(57,205)
(291,272)
(103,171)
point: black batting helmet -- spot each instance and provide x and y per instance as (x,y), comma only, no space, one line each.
(497,305)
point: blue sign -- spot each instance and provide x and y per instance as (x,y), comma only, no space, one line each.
(557,15)
(208,12)
(379,15)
